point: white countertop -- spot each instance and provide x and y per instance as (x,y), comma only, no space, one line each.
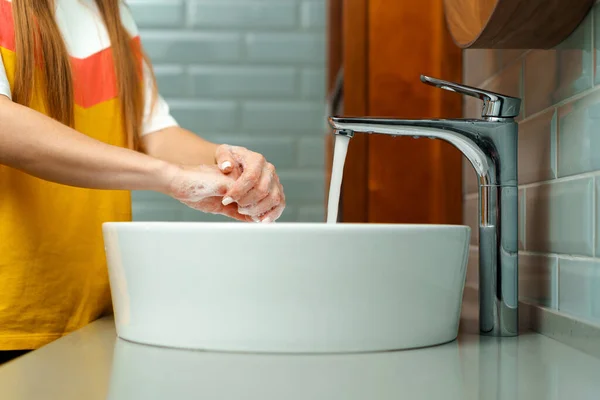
(93,364)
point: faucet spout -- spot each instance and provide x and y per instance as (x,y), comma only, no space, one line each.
(491,147)
(464,139)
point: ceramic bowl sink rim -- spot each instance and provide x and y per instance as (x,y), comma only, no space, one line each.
(288,226)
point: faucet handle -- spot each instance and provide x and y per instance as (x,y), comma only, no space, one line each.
(494,105)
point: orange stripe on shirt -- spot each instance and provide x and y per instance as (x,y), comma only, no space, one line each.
(94,77)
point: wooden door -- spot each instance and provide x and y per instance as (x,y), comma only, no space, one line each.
(386,46)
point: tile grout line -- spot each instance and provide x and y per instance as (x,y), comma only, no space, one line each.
(593,41)
(594,223)
(524,218)
(591,174)
(522,89)
(556,140)
(595,180)
(558,284)
(561,103)
(559,256)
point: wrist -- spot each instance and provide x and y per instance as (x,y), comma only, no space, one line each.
(165,174)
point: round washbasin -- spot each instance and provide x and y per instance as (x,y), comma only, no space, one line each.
(289,288)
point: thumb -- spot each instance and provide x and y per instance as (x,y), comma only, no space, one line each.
(224,159)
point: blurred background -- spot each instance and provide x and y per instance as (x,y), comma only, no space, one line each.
(250,73)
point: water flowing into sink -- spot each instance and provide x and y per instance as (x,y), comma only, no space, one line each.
(337,173)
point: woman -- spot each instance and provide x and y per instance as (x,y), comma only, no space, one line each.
(79,112)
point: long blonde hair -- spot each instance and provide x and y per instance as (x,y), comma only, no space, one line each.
(37,36)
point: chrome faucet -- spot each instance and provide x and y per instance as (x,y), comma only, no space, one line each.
(490,144)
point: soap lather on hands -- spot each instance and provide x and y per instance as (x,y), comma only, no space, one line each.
(243,186)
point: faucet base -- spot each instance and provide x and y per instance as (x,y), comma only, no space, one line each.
(498,260)
(508,326)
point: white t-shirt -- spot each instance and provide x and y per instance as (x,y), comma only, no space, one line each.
(85,35)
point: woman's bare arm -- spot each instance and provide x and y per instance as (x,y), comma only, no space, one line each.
(42,147)
(180,146)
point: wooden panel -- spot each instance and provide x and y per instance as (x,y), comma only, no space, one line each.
(355,57)
(411,181)
(335,40)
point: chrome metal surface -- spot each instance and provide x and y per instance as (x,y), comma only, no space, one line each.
(494,104)
(491,147)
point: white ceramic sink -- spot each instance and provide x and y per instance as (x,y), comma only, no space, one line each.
(293,288)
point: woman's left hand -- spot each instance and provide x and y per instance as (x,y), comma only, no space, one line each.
(257,190)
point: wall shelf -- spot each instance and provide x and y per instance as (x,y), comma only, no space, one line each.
(513,24)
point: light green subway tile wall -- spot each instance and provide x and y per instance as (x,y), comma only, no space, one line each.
(537,148)
(559,165)
(243,14)
(302,187)
(597,44)
(508,56)
(188,47)
(538,279)
(311,214)
(206,115)
(597,222)
(579,136)
(244,82)
(172,81)
(314,14)
(313,82)
(481,64)
(311,152)
(283,116)
(148,211)
(560,217)
(579,282)
(508,82)
(522,219)
(470,211)
(552,76)
(171,13)
(473,267)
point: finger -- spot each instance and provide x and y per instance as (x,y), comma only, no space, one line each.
(256,210)
(277,211)
(231,211)
(225,159)
(236,172)
(260,191)
(249,178)
(273,215)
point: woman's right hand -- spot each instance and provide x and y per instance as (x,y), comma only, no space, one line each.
(202,188)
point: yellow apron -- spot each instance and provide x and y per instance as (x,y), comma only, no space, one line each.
(53,276)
